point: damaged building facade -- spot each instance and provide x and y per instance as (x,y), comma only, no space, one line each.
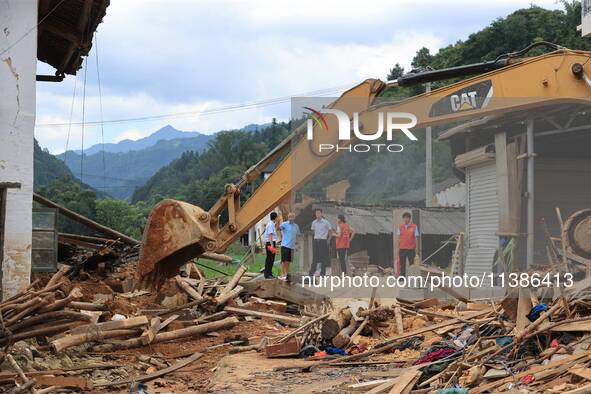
(519,167)
(58,33)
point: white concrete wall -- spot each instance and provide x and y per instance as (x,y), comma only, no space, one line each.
(17,121)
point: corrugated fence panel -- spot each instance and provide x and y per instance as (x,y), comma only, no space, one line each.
(482,218)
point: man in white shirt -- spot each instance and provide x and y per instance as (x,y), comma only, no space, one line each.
(322,229)
(270,238)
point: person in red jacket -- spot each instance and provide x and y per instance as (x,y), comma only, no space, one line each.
(408,234)
(344,236)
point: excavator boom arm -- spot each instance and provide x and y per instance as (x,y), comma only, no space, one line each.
(177,231)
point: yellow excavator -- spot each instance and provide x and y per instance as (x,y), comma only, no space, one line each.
(177,232)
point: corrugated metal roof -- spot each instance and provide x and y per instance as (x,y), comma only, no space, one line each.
(362,220)
(442,222)
(375,221)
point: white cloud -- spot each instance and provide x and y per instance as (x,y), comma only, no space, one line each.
(160,57)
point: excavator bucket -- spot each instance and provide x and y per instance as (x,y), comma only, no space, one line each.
(175,233)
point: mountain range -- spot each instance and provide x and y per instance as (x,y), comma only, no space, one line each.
(128,164)
(166,133)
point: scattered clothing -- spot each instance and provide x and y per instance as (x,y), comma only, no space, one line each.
(435,355)
(464,338)
(536,311)
(308,351)
(455,390)
(356,349)
(527,379)
(335,350)
(504,341)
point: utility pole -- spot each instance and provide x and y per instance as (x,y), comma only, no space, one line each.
(428,160)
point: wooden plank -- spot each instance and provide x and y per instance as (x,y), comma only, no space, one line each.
(502,170)
(132,322)
(405,382)
(290,348)
(63,381)
(274,288)
(524,305)
(150,333)
(534,369)
(365,386)
(382,388)
(584,373)
(274,316)
(168,321)
(586,389)
(572,327)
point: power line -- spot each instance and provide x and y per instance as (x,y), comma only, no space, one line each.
(98,77)
(70,122)
(83,113)
(31,29)
(216,110)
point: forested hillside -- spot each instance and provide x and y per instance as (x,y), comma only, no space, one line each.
(200,177)
(47,167)
(119,173)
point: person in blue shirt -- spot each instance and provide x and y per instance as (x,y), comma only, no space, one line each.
(289,231)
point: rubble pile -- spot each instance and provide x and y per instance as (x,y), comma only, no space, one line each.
(454,347)
(64,331)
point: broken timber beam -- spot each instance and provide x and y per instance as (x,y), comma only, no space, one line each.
(172,335)
(248,312)
(85,221)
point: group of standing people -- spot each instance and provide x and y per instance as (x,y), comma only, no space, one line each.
(289,233)
(323,231)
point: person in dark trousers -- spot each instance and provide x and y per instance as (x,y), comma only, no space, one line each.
(321,228)
(408,234)
(344,236)
(270,237)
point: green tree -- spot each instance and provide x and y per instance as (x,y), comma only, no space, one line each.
(422,59)
(71,195)
(121,216)
(395,72)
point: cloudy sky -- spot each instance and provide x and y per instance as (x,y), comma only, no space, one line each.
(162,57)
